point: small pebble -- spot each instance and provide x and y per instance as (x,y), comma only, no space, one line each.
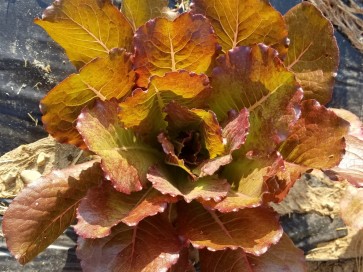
(29,176)
(42,157)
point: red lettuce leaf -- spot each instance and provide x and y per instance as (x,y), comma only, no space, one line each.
(313,53)
(101,78)
(104,207)
(125,159)
(171,157)
(152,245)
(86,29)
(180,118)
(246,22)
(316,140)
(184,263)
(44,209)
(163,46)
(252,229)
(283,256)
(234,136)
(256,79)
(181,185)
(147,107)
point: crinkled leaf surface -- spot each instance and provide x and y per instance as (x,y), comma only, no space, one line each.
(104,78)
(45,208)
(163,46)
(253,230)
(147,107)
(180,118)
(140,11)
(244,22)
(283,256)
(317,139)
(313,52)
(104,207)
(352,207)
(125,159)
(256,79)
(152,245)
(86,29)
(181,185)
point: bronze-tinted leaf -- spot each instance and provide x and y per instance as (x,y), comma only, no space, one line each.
(317,139)
(152,245)
(253,230)
(125,159)
(104,207)
(249,177)
(244,22)
(181,185)
(86,29)
(283,256)
(313,52)
(163,46)
(256,79)
(180,119)
(234,136)
(171,157)
(44,209)
(104,78)
(185,261)
(352,207)
(147,107)
(140,11)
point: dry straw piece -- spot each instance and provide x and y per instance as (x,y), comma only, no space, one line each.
(347,16)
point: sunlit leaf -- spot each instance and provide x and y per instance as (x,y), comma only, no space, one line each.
(152,245)
(163,46)
(352,207)
(86,29)
(244,22)
(101,78)
(125,159)
(147,107)
(249,178)
(180,118)
(181,185)
(234,136)
(253,230)
(317,138)
(45,208)
(256,79)
(104,207)
(313,52)
(283,256)
(140,11)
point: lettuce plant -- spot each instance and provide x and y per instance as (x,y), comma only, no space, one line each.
(197,123)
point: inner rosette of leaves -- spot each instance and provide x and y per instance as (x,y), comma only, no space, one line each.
(196,124)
